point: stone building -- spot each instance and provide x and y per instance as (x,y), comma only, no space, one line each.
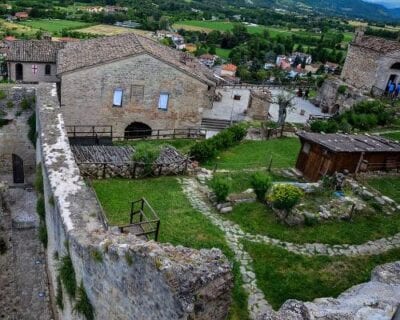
(371,63)
(31,61)
(132,82)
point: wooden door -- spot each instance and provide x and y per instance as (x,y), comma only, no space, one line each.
(18,169)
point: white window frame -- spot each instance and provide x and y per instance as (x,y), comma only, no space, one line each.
(163,101)
(117,97)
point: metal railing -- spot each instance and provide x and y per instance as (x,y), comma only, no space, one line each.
(143,220)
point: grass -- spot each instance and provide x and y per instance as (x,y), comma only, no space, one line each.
(282,275)
(388,186)
(182,145)
(180,223)
(223,53)
(257,218)
(55,26)
(252,154)
(393,136)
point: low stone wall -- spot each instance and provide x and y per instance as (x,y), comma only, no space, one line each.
(123,277)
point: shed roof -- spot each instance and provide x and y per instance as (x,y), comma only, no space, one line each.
(351,143)
(108,49)
(32,50)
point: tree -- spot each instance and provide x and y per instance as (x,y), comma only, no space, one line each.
(285,103)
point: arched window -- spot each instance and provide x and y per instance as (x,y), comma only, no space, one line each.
(137,130)
(396,66)
(19,73)
(47,70)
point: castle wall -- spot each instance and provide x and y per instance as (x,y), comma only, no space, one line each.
(125,278)
(87,95)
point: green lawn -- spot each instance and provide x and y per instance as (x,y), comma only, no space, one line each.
(282,275)
(252,154)
(388,186)
(257,218)
(55,26)
(392,136)
(223,53)
(180,223)
(183,145)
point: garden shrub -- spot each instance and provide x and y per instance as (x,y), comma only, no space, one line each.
(285,196)
(207,149)
(221,188)
(83,305)
(261,182)
(67,275)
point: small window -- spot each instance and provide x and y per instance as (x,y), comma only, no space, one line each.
(236,97)
(306,148)
(47,70)
(163,101)
(117,99)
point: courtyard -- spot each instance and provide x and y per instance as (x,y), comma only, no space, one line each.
(273,262)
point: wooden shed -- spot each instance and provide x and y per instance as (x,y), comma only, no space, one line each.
(324,154)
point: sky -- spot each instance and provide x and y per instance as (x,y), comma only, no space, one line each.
(387,3)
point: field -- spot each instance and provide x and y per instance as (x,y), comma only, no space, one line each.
(223,53)
(388,186)
(108,30)
(207,26)
(54,26)
(15,27)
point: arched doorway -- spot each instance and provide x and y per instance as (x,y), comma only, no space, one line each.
(395,66)
(137,130)
(19,72)
(18,169)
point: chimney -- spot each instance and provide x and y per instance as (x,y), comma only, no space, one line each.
(359,35)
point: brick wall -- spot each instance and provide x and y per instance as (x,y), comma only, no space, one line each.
(87,95)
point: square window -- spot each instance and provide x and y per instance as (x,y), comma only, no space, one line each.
(306,148)
(236,97)
(163,101)
(117,98)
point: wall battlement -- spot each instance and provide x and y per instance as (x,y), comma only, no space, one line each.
(124,277)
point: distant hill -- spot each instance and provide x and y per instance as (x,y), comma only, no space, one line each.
(345,8)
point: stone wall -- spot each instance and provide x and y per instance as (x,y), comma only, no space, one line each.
(331,101)
(124,277)
(13,136)
(29,76)
(360,68)
(87,95)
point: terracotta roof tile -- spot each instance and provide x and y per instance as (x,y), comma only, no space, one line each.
(107,49)
(32,50)
(377,44)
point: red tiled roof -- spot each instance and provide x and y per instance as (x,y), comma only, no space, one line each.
(229,67)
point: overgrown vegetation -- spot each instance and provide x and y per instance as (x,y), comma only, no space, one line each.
(364,116)
(40,205)
(32,134)
(146,154)
(83,305)
(97,256)
(207,149)
(59,294)
(67,275)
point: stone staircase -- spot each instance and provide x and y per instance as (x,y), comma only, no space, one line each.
(215,124)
